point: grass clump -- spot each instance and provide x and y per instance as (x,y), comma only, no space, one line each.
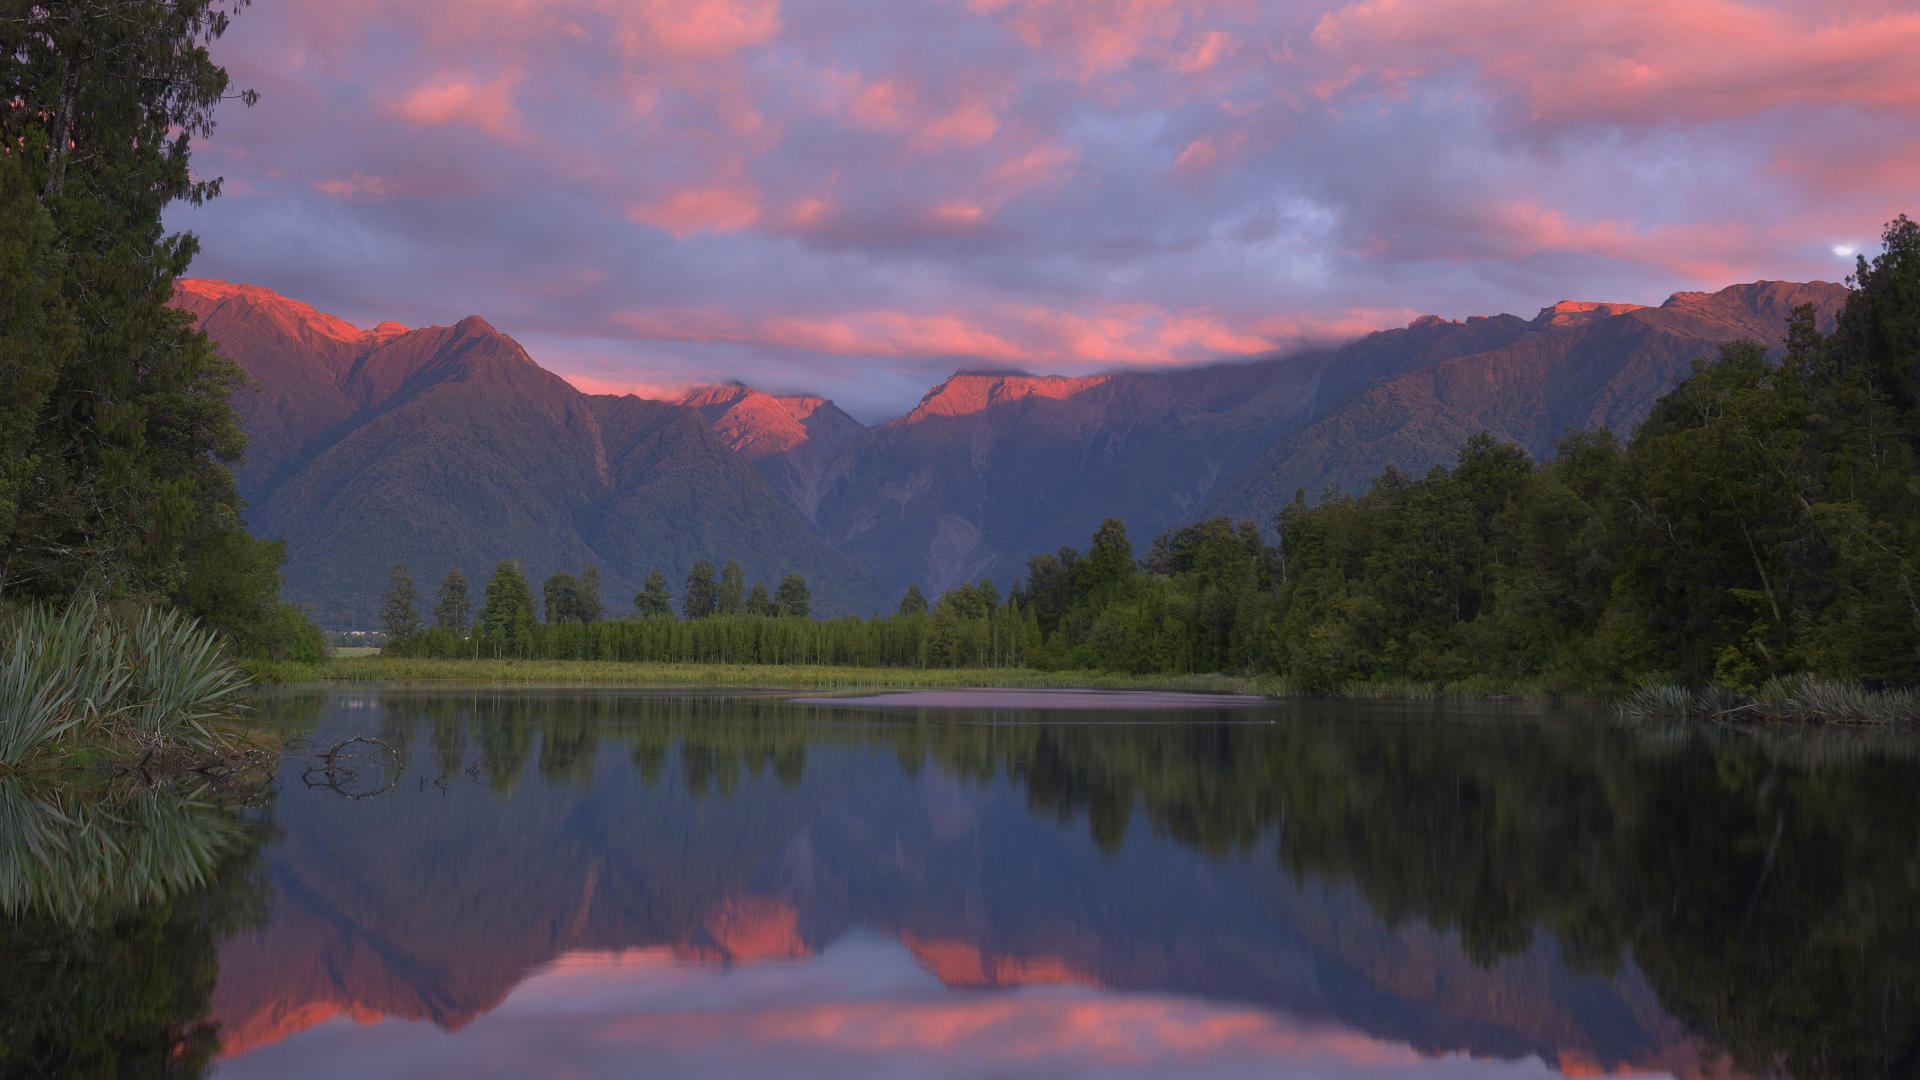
(1805,700)
(86,679)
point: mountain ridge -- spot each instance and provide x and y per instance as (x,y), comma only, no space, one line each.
(989,468)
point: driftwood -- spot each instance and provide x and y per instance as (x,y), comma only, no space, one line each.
(327,772)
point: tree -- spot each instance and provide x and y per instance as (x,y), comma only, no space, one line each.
(562,596)
(400,605)
(915,602)
(759,601)
(233,583)
(792,598)
(653,600)
(506,619)
(732,588)
(702,598)
(117,435)
(591,610)
(452,606)
(1110,562)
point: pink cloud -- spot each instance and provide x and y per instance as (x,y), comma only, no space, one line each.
(359,186)
(460,100)
(1103,334)
(619,387)
(721,207)
(1630,60)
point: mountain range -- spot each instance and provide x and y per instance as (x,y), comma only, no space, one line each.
(449,446)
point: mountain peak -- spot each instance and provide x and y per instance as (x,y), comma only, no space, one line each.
(758,424)
(966,392)
(1575,312)
(202,295)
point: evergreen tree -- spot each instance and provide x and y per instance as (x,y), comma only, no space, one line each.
(116,435)
(452,606)
(732,588)
(792,598)
(400,605)
(702,597)
(915,602)
(759,601)
(653,600)
(562,599)
(591,610)
(506,617)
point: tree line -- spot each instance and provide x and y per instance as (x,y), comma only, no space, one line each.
(1763,522)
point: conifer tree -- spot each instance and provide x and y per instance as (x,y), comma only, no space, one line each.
(506,619)
(759,601)
(732,588)
(702,597)
(452,606)
(116,436)
(400,605)
(792,597)
(653,600)
(914,602)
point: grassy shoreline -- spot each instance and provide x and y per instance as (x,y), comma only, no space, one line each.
(783,676)
(1803,703)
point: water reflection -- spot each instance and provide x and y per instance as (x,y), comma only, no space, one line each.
(115,901)
(744,884)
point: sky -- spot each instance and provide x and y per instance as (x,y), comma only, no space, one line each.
(858,197)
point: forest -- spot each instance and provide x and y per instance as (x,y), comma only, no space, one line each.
(1762,524)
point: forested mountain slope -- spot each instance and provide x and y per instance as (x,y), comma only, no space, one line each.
(449,446)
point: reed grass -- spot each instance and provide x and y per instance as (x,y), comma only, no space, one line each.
(73,853)
(1806,700)
(84,676)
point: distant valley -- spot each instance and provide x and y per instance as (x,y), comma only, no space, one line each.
(450,446)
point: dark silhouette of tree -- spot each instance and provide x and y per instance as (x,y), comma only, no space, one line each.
(400,605)
(702,596)
(452,607)
(653,600)
(792,598)
(914,602)
(732,588)
(760,601)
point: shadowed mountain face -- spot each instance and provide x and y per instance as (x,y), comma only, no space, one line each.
(1422,880)
(449,446)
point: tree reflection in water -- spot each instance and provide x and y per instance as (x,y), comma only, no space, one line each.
(115,903)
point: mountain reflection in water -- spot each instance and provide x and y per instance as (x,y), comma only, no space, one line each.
(571,883)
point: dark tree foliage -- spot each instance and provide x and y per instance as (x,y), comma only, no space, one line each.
(733,587)
(116,436)
(118,433)
(792,597)
(653,600)
(452,606)
(400,605)
(702,597)
(760,601)
(573,599)
(506,618)
(914,602)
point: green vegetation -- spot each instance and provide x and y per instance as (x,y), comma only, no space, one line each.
(117,440)
(141,685)
(798,676)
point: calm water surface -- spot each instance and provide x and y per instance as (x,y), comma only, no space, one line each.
(597,884)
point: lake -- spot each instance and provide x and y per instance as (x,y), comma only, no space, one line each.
(595,883)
